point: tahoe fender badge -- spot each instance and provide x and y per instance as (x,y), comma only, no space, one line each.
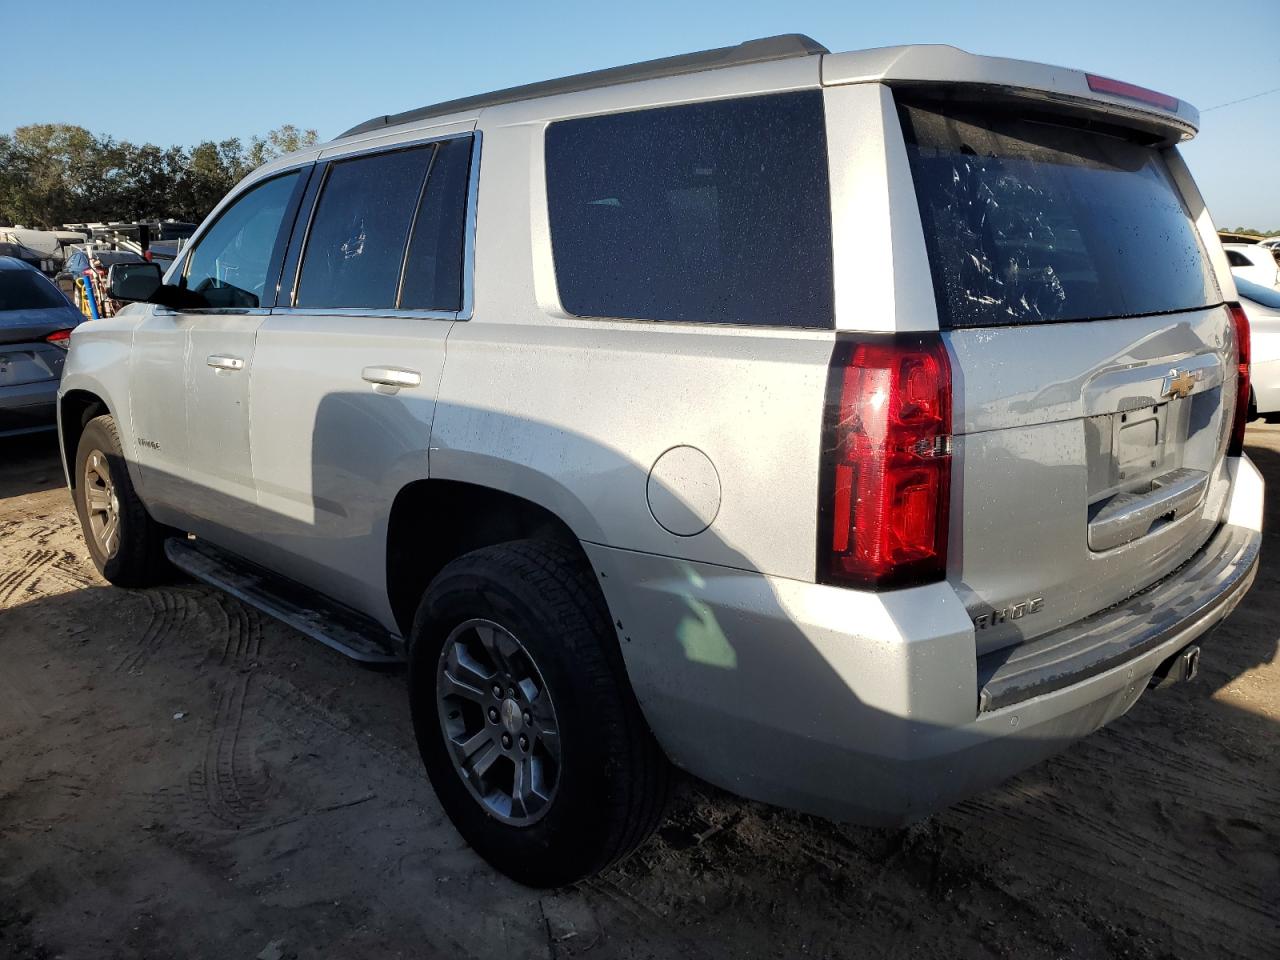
(1015,611)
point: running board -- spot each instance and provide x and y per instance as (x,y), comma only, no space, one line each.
(334,625)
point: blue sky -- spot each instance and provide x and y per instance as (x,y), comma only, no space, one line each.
(185,72)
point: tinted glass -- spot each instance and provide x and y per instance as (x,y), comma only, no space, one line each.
(356,246)
(1237,259)
(714,212)
(27,290)
(1033,222)
(228,266)
(433,270)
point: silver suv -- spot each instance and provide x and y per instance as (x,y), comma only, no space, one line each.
(850,430)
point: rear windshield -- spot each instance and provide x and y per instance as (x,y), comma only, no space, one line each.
(1033,222)
(27,290)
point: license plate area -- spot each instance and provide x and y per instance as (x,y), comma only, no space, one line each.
(1129,449)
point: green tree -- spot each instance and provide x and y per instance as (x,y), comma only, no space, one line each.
(55,173)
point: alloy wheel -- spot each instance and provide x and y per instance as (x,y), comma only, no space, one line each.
(101,504)
(498,721)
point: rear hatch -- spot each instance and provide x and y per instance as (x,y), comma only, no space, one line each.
(1092,357)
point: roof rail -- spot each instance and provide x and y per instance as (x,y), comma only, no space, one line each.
(782,47)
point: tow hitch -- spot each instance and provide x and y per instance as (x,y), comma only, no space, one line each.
(1183,665)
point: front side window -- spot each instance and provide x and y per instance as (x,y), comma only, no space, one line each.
(355,249)
(228,266)
(710,212)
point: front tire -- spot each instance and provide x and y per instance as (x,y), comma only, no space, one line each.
(525,720)
(126,545)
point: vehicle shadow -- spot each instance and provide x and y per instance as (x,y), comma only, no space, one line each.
(29,463)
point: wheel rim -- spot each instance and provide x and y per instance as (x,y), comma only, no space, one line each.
(498,721)
(102,504)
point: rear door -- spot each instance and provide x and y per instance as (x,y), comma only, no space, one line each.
(347,366)
(1093,359)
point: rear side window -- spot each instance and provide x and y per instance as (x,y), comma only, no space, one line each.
(433,268)
(711,212)
(1237,259)
(355,249)
(28,290)
(1033,222)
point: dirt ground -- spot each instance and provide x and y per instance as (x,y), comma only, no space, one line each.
(182,777)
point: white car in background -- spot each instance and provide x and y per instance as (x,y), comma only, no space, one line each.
(1252,262)
(1262,306)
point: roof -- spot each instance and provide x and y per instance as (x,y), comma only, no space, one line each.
(783,47)
(13,263)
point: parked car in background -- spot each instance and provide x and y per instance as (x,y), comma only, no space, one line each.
(803,420)
(1262,306)
(36,321)
(164,252)
(1271,243)
(1253,262)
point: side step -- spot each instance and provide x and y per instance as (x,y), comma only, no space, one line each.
(334,625)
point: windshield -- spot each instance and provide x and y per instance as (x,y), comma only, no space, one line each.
(28,290)
(1033,222)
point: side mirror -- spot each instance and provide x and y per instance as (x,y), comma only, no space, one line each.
(134,282)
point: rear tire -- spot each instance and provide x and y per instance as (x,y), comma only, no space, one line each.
(603,790)
(126,545)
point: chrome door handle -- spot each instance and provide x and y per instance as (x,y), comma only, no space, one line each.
(225,363)
(395,377)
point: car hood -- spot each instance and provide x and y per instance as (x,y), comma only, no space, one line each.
(23,326)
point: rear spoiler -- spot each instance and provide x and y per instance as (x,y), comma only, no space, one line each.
(940,66)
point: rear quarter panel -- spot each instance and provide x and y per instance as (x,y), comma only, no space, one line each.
(573,413)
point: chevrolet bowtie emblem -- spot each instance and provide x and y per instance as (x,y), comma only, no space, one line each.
(1180,383)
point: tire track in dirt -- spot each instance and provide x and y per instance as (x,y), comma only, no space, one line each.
(304,717)
(229,785)
(71,570)
(240,631)
(22,579)
(167,611)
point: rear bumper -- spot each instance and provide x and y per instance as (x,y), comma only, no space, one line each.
(28,407)
(1202,591)
(867,707)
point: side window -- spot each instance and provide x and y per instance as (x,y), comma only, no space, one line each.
(433,269)
(713,212)
(228,265)
(1237,259)
(355,249)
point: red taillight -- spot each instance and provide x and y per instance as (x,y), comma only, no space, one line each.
(1118,88)
(61,338)
(1241,324)
(886,463)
